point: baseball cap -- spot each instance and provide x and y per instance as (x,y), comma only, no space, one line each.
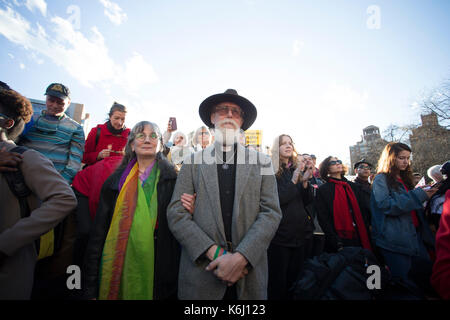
(58,90)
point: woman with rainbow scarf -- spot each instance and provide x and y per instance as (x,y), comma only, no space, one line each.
(131,253)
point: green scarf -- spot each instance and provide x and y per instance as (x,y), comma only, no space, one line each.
(137,270)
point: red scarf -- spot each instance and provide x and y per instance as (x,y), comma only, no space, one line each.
(413,213)
(343,222)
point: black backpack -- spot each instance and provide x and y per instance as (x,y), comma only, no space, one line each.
(18,187)
(338,276)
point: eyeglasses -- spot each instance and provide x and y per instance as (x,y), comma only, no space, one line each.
(332,163)
(4,117)
(142,137)
(364,167)
(224,110)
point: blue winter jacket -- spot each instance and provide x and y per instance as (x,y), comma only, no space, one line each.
(392,226)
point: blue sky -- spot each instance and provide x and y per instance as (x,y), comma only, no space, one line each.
(317,70)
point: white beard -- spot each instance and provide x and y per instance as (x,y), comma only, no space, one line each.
(227,136)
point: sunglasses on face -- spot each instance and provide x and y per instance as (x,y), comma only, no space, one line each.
(332,163)
(224,110)
(4,117)
(364,167)
(142,137)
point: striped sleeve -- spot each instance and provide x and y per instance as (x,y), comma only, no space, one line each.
(75,155)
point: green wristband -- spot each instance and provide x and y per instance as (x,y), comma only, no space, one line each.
(217,253)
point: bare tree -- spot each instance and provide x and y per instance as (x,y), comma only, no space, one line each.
(395,133)
(438,101)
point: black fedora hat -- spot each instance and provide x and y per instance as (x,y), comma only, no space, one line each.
(229,95)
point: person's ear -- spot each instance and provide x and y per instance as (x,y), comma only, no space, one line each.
(9,123)
(213,118)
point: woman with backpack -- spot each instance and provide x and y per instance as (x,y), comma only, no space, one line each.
(103,151)
(400,230)
(108,139)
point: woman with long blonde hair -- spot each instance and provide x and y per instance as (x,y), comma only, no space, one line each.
(399,227)
(289,247)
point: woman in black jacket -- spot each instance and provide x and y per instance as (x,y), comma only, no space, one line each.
(137,278)
(289,248)
(341,211)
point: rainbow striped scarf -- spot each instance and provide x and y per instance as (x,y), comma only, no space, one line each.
(127,265)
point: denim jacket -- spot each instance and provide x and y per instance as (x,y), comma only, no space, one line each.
(392,226)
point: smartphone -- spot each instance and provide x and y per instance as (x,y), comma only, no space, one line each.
(173,123)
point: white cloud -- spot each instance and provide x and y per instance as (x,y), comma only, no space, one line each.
(296,47)
(22,66)
(40,5)
(36,58)
(114,13)
(138,73)
(11,55)
(415,106)
(343,98)
(85,59)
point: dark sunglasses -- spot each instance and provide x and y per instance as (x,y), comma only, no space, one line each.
(332,163)
(364,167)
(4,117)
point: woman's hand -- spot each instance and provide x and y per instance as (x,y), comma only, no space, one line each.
(308,174)
(431,191)
(105,152)
(169,127)
(296,175)
(188,202)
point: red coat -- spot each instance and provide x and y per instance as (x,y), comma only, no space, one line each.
(106,138)
(89,181)
(440,278)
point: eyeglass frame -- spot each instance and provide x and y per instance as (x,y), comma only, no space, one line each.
(364,167)
(142,137)
(4,117)
(228,108)
(334,162)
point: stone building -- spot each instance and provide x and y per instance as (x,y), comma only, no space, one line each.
(430,144)
(369,148)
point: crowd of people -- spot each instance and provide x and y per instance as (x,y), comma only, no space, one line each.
(150,215)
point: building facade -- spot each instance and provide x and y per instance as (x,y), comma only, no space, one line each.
(430,144)
(369,148)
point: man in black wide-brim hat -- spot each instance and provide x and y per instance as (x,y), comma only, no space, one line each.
(236,213)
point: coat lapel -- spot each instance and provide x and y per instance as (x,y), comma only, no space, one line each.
(211,181)
(242,173)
